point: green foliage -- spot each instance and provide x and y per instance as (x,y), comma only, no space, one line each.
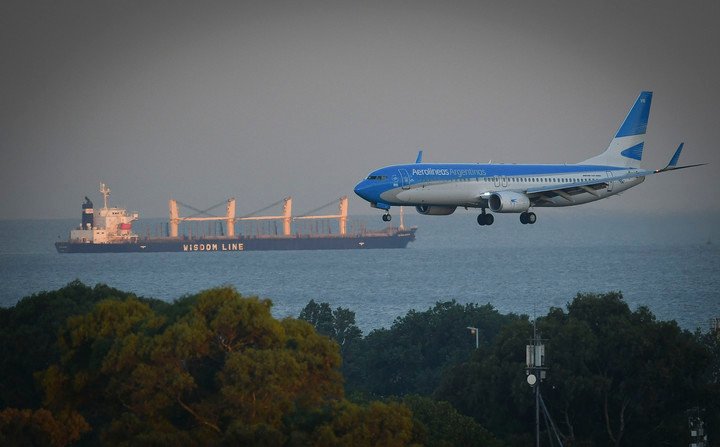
(491,387)
(40,427)
(709,400)
(28,335)
(226,362)
(221,370)
(616,377)
(320,316)
(639,375)
(386,424)
(217,369)
(338,324)
(438,424)
(411,356)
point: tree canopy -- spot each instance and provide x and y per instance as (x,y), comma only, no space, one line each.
(616,376)
(216,368)
(211,369)
(410,356)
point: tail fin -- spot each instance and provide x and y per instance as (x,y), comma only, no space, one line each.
(627,147)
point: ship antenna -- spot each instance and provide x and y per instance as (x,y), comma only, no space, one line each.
(105,192)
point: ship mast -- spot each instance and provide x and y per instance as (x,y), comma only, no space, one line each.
(105,191)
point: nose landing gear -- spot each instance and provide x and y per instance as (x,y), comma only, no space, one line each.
(386,217)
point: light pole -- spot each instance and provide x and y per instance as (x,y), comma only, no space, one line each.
(474,330)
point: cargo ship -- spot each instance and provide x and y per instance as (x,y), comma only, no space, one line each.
(110,230)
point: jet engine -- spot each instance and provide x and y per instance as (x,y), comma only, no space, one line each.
(509,202)
(432,210)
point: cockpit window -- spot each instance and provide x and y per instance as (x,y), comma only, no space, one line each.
(377,177)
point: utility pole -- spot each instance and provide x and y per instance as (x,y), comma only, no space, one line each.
(537,372)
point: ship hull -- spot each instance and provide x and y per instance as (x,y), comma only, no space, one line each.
(396,239)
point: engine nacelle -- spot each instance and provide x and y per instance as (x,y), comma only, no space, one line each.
(509,202)
(432,210)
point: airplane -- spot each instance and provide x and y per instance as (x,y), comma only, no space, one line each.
(438,189)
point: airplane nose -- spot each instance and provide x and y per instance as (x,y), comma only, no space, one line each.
(358,188)
(361,189)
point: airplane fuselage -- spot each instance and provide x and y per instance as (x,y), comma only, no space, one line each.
(471,185)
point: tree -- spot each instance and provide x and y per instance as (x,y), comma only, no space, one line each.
(635,375)
(439,424)
(386,424)
(615,376)
(40,427)
(491,388)
(320,316)
(28,336)
(709,401)
(338,324)
(223,371)
(411,355)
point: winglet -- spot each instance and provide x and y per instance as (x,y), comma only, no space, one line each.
(419,157)
(674,160)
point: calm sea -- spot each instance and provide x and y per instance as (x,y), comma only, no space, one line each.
(670,264)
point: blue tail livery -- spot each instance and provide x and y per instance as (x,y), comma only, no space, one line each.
(440,188)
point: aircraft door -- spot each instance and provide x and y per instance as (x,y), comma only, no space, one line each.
(504,181)
(404,178)
(610,181)
(496,181)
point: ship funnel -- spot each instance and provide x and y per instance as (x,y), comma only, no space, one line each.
(87,215)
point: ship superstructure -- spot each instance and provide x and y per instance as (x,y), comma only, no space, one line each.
(108,225)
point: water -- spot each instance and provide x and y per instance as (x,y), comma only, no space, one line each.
(662,262)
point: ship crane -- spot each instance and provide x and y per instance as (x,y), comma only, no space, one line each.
(341,216)
(230,218)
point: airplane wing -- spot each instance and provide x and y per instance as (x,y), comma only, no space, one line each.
(567,190)
(570,189)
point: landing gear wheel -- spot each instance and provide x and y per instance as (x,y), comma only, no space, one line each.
(387,217)
(485,219)
(528,218)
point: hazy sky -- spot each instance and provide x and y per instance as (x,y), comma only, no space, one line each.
(201,101)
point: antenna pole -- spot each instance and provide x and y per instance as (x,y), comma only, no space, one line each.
(537,371)
(105,191)
(537,389)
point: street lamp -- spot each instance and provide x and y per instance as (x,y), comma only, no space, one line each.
(474,330)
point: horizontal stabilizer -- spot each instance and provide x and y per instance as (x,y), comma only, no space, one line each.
(672,166)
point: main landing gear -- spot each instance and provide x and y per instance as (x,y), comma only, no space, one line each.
(387,217)
(485,219)
(488,219)
(528,218)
